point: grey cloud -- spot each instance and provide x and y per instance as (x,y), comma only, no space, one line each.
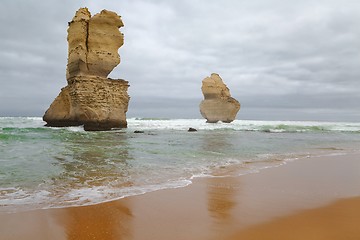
(270,53)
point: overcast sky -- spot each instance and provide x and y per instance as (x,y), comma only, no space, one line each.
(282,59)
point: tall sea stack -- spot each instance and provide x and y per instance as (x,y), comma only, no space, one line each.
(218,105)
(90,98)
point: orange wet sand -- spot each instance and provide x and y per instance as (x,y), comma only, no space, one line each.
(313,198)
(340,220)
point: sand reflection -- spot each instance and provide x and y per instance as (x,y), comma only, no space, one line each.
(221,191)
(222,200)
(103,221)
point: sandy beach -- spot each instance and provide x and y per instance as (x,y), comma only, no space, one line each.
(311,198)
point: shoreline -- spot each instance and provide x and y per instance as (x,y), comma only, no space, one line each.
(209,208)
(232,171)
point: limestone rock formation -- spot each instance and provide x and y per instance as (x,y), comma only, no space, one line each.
(218,105)
(90,98)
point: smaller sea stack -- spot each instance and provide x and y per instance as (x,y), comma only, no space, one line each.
(218,105)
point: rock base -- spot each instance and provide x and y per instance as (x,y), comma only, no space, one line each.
(97,103)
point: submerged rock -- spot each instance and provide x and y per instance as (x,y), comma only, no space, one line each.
(218,105)
(192,129)
(138,131)
(90,98)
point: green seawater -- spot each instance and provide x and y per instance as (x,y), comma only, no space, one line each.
(43,167)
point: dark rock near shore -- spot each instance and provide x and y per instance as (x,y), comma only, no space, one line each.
(138,131)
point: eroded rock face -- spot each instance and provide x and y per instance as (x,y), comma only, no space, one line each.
(90,98)
(218,105)
(94,43)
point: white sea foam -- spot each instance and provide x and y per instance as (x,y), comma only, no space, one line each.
(76,129)
(21,200)
(21,122)
(244,125)
(200,124)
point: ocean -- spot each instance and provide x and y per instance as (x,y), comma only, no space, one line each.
(42,167)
